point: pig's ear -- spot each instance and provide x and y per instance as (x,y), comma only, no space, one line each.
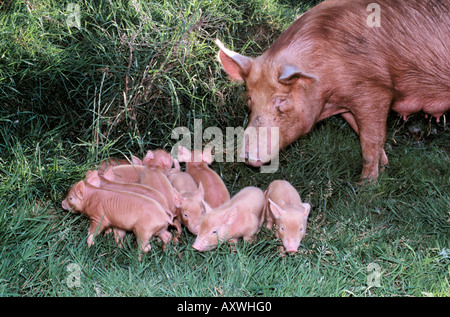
(200,191)
(231,216)
(290,74)
(176,164)
(108,174)
(93,178)
(276,210)
(167,161)
(236,65)
(136,160)
(177,198)
(207,207)
(306,209)
(79,189)
(184,155)
(207,156)
(148,157)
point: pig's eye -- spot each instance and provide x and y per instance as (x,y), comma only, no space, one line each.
(185,215)
(282,228)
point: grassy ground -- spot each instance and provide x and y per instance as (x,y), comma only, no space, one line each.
(119,84)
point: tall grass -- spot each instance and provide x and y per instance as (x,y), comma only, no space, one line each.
(119,84)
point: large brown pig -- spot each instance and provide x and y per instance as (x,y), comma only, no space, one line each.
(123,210)
(335,60)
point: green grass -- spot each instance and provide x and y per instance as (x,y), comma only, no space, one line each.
(63,110)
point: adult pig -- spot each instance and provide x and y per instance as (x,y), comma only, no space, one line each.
(335,59)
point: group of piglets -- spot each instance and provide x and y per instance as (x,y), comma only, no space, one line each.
(147,196)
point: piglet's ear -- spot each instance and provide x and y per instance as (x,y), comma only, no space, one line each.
(109,174)
(306,209)
(230,216)
(177,198)
(184,155)
(237,66)
(136,160)
(93,178)
(276,210)
(207,156)
(79,189)
(290,74)
(207,207)
(200,191)
(148,157)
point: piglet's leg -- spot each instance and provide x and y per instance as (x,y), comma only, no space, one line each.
(143,240)
(165,237)
(95,228)
(118,236)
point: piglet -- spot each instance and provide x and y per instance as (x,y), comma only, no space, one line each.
(124,173)
(241,216)
(123,210)
(286,213)
(154,175)
(216,193)
(104,181)
(192,207)
(111,162)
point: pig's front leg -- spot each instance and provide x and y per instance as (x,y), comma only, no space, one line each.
(93,230)
(372,137)
(350,118)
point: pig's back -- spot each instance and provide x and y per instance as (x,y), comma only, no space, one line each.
(125,209)
(283,193)
(157,180)
(138,189)
(127,173)
(182,182)
(216,193)
(250,198)
(406,57)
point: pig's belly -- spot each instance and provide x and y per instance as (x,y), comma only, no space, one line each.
(435,108)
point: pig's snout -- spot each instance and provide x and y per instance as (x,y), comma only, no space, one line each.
(291,247)
(250,157)
(64,205)
(260,145)
(197,246)
(201,245)
(291,250)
